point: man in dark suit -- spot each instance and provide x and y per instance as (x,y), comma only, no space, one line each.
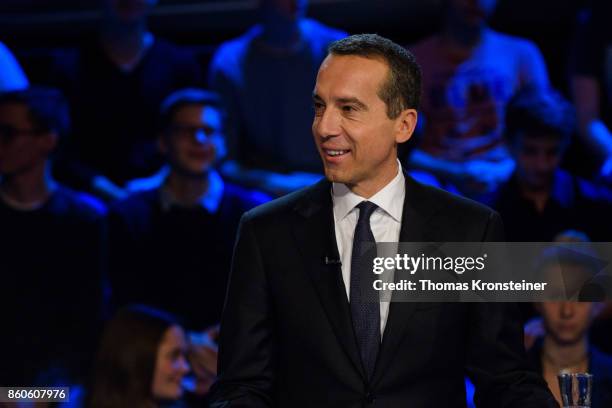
(297,330)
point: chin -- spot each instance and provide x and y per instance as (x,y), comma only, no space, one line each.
(198,172)
(335,175)
(334,178)
(568,338)
(172,394)
(537,184)
(195,171)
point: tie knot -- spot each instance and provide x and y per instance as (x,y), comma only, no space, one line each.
(366,208)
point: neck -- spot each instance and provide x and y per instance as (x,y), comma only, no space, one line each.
(565,355)
(281,35)
(538,196)
(369,188)
(28,188)
(462,35)
(187,189)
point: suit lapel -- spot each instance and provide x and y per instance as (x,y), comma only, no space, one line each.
(416,227)
(316,239)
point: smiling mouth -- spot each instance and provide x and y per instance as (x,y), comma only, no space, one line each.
(335,153)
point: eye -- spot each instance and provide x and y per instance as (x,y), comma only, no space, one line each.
(318,107)
(348,109)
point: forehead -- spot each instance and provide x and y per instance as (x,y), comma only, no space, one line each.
(173,337)
(350,75)
(14,112)
(197,114)
(578,306)
(539,140)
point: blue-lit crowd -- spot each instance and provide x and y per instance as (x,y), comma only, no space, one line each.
(125,170)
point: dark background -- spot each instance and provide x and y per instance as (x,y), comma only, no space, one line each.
(31,27)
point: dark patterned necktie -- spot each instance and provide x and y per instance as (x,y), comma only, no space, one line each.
(365,304)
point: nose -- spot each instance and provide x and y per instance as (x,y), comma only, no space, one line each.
(327,124)
(567,310)
(542,159)
(544,163)
(183,366)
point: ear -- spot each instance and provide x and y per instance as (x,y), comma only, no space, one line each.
(48,141)
(538,307)
(405,124)
(162,144)
(598,307)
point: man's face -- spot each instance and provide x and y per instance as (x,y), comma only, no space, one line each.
(354,136)
(472,12)
(22,146)
(567,322)
(194,140)
(537,159)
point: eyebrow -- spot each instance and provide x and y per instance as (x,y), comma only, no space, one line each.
(351,100)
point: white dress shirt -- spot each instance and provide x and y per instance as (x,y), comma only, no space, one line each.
(385,222)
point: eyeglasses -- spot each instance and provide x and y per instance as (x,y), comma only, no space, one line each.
(9,133)
(193,132)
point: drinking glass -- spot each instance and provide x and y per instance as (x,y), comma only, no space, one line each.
(575,389)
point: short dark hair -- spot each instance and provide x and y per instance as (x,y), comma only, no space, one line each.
(47,107)
(125,362)
(182,98)
(541,112)
(402,89)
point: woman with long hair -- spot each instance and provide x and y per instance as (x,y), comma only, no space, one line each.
(141,361)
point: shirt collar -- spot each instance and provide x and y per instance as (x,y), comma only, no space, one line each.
(561,193)
(33,206)
(210,200)
(390,198)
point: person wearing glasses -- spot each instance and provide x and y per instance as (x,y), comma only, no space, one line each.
(171,242)
(50,248)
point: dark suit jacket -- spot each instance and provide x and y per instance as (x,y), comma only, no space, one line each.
(175,259)
(287,338)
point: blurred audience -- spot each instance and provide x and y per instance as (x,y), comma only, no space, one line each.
(469,74)
(490,129)
(591,80)
(565,345)
(115,84)
(12,77)
(265,78)
(540,200)
(141,361)
(51,239)
(171,244)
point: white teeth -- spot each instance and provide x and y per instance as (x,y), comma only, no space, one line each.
(336,152)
